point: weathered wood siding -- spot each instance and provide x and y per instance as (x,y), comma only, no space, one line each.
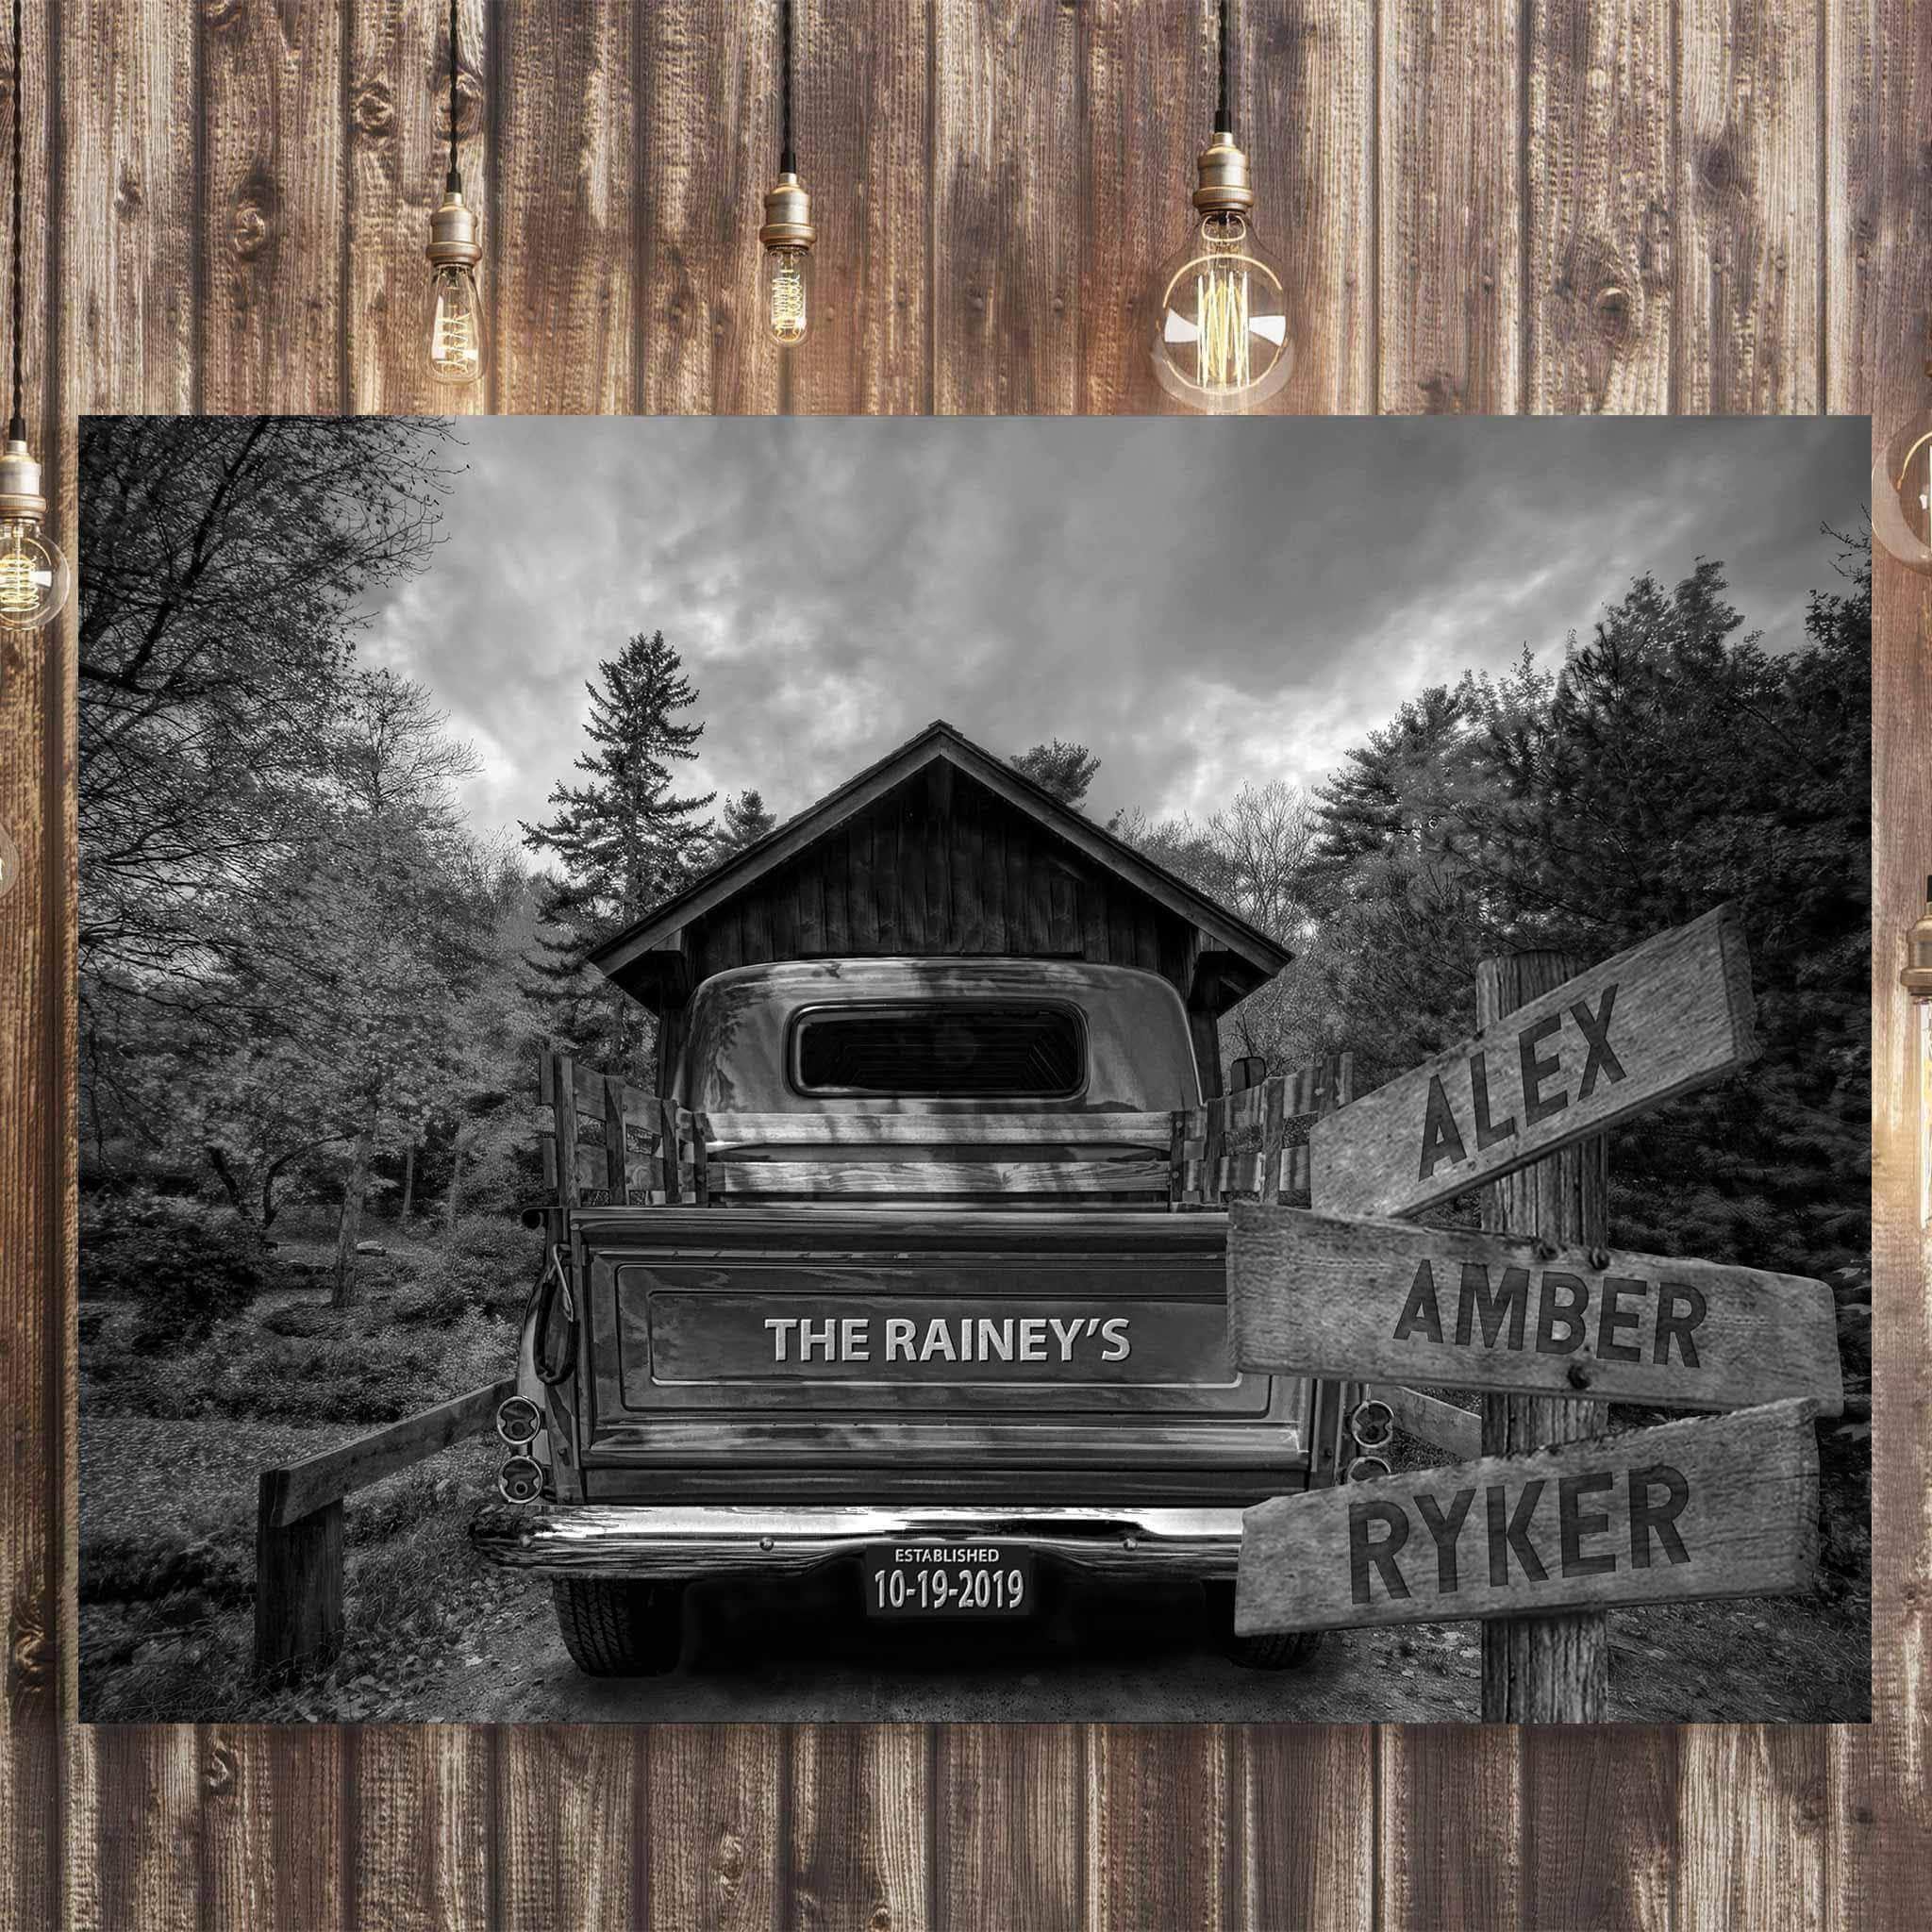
(1711,205)
(971,874)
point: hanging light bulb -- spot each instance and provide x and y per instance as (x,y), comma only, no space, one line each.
(456,246)
(1222,339)
(787,234)
(1902,491)
(34,576)
(1916,978)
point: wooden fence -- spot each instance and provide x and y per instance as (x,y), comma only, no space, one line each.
(608,1144)
(298,1529)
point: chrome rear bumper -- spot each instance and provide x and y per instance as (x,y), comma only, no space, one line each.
(643,1540)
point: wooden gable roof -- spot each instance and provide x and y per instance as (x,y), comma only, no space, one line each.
(1019,872)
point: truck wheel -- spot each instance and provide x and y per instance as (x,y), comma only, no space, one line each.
(616,1629)
(1278,1650)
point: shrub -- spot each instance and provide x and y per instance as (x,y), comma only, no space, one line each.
(436,1300)
(493,1262)
(185,1274)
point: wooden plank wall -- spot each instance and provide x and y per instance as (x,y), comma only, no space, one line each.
(973,875)
(1487,205)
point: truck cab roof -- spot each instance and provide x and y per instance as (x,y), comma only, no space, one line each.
(961,1035)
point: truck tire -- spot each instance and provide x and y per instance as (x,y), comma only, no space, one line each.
(1278,1650)
(616,1629)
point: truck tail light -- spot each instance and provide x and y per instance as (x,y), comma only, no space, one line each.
(518,1420)
(1372,1423)
(1367,1467)
(520,1480)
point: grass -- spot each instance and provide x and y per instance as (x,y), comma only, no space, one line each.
(173,1439)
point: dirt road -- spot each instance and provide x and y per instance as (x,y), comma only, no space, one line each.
(805,1653)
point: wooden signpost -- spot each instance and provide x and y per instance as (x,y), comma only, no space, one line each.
(1389,1300)
(1655,1021)
(1711,1507)
(1556,1521)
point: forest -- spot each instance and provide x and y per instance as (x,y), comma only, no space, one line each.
(312,994)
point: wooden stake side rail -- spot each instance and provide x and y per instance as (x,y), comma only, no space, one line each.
(298,1527)
(607,1142)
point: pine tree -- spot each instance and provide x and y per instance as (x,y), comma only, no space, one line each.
(1064,769)
(622,842)
(743,822)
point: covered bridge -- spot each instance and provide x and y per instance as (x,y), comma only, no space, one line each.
(942,849)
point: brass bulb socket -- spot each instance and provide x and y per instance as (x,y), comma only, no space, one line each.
(1917,977)
(456,234)
(1225,185)
(21,497)
(787,215)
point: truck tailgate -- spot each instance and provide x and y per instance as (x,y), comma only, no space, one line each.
(802,1335)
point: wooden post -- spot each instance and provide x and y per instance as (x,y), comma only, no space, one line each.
(1540,1670)
(299,1585)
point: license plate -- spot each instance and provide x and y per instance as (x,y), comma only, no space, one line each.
(948,1580)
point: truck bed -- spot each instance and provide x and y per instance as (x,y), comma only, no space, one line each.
(857,1352)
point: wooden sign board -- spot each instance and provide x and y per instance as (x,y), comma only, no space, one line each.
(1670,1015)
(1720,1506)
(1390,1301)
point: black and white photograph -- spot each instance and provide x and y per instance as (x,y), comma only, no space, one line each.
(790,1069)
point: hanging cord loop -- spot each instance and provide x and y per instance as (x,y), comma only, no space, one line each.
(1223,120)
(456,179)
(17,431)
(787,161)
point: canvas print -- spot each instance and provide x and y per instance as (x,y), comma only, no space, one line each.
(788,1070)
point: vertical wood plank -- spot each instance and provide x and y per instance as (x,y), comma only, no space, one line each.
(717,1822)
(1006,325)
(862,112)
(1598,156)
(1304,82)
(420,1841)
(398,64)
(1748,297)
(1752,1820)
(862,1803)
(1450,222)
(1161,1843)
(1008,1801)
(1146,76)
(562,162)
(568,1824)
(1879,94)
(37,1551)
(127,209)
(139,1865)
(1448,1811)
(707,150)
(272,1838)
(1600,1826)
(1304,1801)
(272,122)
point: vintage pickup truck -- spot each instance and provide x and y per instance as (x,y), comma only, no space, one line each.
(904,1273)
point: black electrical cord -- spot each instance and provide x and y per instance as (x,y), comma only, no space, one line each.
(456,179)
(1224,121)
(787,161)
(17,431)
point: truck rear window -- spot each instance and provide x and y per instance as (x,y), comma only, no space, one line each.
(947,1050)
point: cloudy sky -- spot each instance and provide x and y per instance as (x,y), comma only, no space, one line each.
(1202,603)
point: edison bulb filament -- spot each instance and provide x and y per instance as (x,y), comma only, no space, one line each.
(787,283)
(34,578)
(456,327)
(1221,337)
